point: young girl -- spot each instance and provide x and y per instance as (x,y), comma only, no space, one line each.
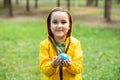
(59,27)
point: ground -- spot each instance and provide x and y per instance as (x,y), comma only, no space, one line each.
(85,15)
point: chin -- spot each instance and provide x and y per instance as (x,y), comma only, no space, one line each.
(60,36)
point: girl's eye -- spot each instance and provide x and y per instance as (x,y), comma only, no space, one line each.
(63,22)
(55,22)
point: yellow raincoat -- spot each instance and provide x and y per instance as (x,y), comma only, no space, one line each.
(47,53)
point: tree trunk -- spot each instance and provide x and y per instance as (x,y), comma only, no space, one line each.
(36,3)
(68,4)
(17,1)
(96,3)
(107,10)
(58,3)
(4,3)
(27,5)
(118,1)
(89,2)
(9,12)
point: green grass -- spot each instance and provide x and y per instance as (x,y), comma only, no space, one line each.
(19,50)
(101,48)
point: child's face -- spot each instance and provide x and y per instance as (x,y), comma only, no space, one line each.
(59,24)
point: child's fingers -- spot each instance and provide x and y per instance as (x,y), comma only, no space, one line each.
(55,57)
(56,61)
(66,63)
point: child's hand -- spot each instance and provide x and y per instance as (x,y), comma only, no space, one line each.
(57,61)
(66,63)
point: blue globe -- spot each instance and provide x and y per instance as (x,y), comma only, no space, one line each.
(63,56)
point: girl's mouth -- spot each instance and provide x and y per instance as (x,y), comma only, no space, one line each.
(59,30)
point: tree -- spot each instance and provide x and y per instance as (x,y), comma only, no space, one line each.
(36,3)
(58,3)
(17,1)
(96,2)
(27,5)
(107,10)
(118,1)
(89,2)
(8,8)
(4,3)
(68,4)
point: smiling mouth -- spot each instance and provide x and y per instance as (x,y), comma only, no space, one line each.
(59,30)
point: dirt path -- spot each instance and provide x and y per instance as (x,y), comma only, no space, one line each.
(86,17)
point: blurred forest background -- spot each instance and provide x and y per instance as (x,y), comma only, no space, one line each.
(95,11)
(96,23)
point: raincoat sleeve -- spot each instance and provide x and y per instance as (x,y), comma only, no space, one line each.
(45,61)
(76,66)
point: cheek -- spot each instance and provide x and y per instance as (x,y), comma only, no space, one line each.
(52,25)
(68,27)
(52,28)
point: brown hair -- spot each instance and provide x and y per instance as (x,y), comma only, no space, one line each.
(49,20)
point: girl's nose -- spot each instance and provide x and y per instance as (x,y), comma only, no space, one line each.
(59,25)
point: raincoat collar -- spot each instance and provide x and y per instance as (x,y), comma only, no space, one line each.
(67,43)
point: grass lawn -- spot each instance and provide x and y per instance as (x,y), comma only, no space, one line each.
(19,50)
(19,41)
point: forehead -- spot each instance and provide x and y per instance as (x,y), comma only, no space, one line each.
(59,15)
